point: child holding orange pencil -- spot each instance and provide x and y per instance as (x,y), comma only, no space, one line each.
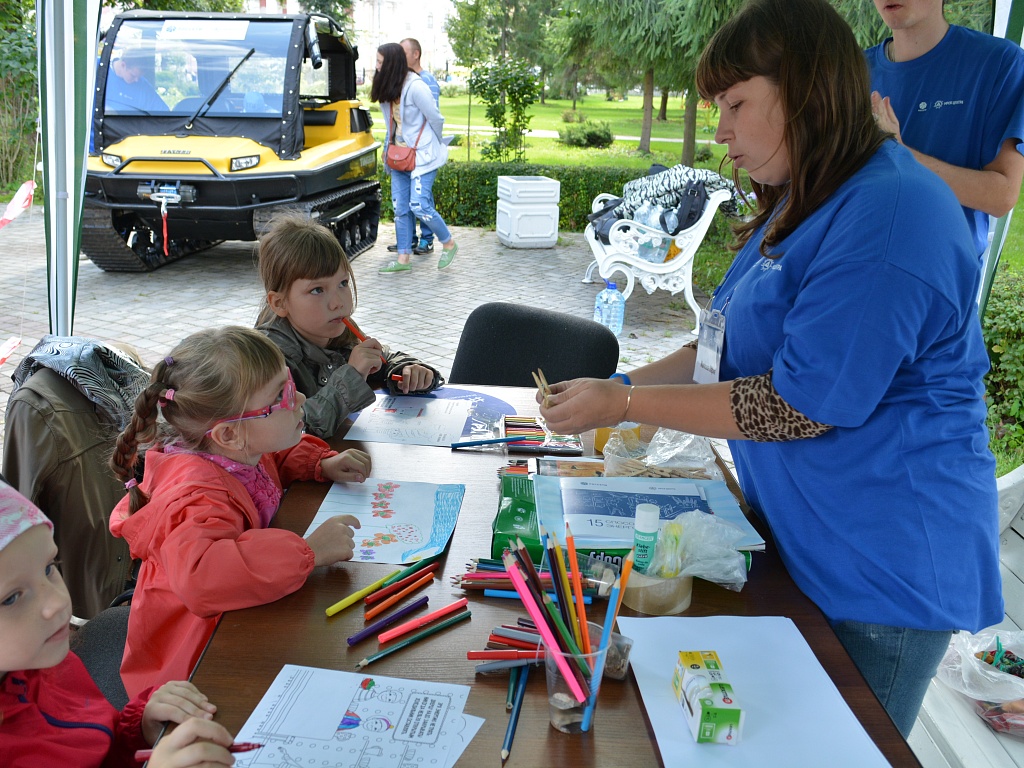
(310,297)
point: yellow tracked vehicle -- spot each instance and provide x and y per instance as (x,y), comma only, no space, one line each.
(205,125)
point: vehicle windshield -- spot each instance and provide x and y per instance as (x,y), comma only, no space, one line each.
(172,66)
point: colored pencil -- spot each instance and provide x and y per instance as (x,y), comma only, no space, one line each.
(513,720)
(536,612)
(387,621)
(577,587)
(355,597)
(512,594)
(420,621)
(417,566)
(627,568)
(512,678)
(358,334)
(415,639)
(498,666)
(398,597)
(488,441)
(141,755)
(528,562)
(556,564)
(606,635)
(396,586)
(569,646)
(496,655)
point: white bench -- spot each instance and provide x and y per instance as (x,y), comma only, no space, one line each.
(948,734)
(625,239)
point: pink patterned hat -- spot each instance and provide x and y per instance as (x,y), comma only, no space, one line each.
(17,515)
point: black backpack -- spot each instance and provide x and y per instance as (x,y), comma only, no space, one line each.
(691,206)
(604,218)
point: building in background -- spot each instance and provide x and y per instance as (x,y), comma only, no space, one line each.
(375,22)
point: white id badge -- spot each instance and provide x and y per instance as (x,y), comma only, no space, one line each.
(709,347)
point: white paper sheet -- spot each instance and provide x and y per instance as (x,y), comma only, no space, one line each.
(795,715)
(411,421)
(321,717)
(400,522)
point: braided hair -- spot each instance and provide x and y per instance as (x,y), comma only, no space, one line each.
(209,376)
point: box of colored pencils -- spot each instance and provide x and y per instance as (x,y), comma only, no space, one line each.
(538,440)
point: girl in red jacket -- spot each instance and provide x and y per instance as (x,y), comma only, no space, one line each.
(230,441)
(51,712)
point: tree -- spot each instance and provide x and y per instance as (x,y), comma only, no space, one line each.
(18,89)
(339,10)
(200,6)
(508,88)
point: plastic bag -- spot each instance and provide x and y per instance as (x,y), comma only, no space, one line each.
(669,454)
(997,696)
(699,544)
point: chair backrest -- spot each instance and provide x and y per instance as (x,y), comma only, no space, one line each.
(100,646)
(502,343)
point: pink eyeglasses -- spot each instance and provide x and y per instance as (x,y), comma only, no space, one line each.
(288,401)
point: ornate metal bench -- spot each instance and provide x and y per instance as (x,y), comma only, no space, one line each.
(626,237)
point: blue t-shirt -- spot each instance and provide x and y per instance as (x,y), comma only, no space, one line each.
(868,322)
(959,102)
(431,82)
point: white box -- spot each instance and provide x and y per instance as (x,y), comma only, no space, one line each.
(521,225)
(528,189)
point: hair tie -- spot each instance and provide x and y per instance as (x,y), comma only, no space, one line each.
(167,396)
(131,484)
(168,361)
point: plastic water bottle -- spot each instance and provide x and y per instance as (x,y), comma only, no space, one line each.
(610,308)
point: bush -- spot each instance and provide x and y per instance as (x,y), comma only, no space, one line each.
(1003,329)
(452,90)
(703,154)
(587,134)
(573,116)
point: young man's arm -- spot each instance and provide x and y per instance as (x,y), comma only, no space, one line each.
(994,189)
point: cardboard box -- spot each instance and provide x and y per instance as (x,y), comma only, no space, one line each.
(707,699)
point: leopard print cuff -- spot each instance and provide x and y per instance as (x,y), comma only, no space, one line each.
(691,344)
(763,416)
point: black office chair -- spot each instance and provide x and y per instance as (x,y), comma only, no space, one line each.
(503,343)
(100,645)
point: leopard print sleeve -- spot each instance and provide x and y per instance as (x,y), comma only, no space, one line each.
(763,416)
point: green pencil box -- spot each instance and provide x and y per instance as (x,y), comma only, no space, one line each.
(517,518)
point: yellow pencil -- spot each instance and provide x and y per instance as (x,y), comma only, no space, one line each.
(558,566)
(355,597)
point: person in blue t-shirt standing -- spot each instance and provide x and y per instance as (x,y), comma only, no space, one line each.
(955,97)
(842,356)
(425,242)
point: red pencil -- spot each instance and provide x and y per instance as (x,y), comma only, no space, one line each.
(390,589)
(141,755)
(504,655)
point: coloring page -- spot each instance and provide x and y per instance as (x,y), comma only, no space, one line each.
(411,420)
(400,522)
(319,717)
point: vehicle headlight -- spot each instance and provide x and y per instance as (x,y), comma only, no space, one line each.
(241,163)
(112,160)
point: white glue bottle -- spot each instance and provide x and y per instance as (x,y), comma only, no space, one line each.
(645,535)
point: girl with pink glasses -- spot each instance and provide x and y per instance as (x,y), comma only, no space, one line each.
(229,442)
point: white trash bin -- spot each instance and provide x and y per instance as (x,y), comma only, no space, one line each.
(527,215)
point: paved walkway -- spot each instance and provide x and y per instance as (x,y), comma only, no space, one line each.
(421,312)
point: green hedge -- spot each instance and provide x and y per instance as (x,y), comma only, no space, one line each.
(1003,328)
(466,195)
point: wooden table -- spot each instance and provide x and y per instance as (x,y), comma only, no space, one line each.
(250,646)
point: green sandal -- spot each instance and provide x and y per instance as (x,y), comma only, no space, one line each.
(447,256)
(394,266)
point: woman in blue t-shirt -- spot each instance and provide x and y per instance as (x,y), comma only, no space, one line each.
(850,377)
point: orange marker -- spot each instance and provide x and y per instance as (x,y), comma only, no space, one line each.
(398,596)
(358,334)
(390,589)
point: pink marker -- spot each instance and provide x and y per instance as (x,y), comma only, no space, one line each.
(409,626)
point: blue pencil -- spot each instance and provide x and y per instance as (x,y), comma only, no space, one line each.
(606,636)
(488,441)
(513,719)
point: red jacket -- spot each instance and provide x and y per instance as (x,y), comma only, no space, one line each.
(203,552)
(57,718)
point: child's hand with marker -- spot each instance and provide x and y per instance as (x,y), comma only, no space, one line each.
(414,378)
(175,702)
